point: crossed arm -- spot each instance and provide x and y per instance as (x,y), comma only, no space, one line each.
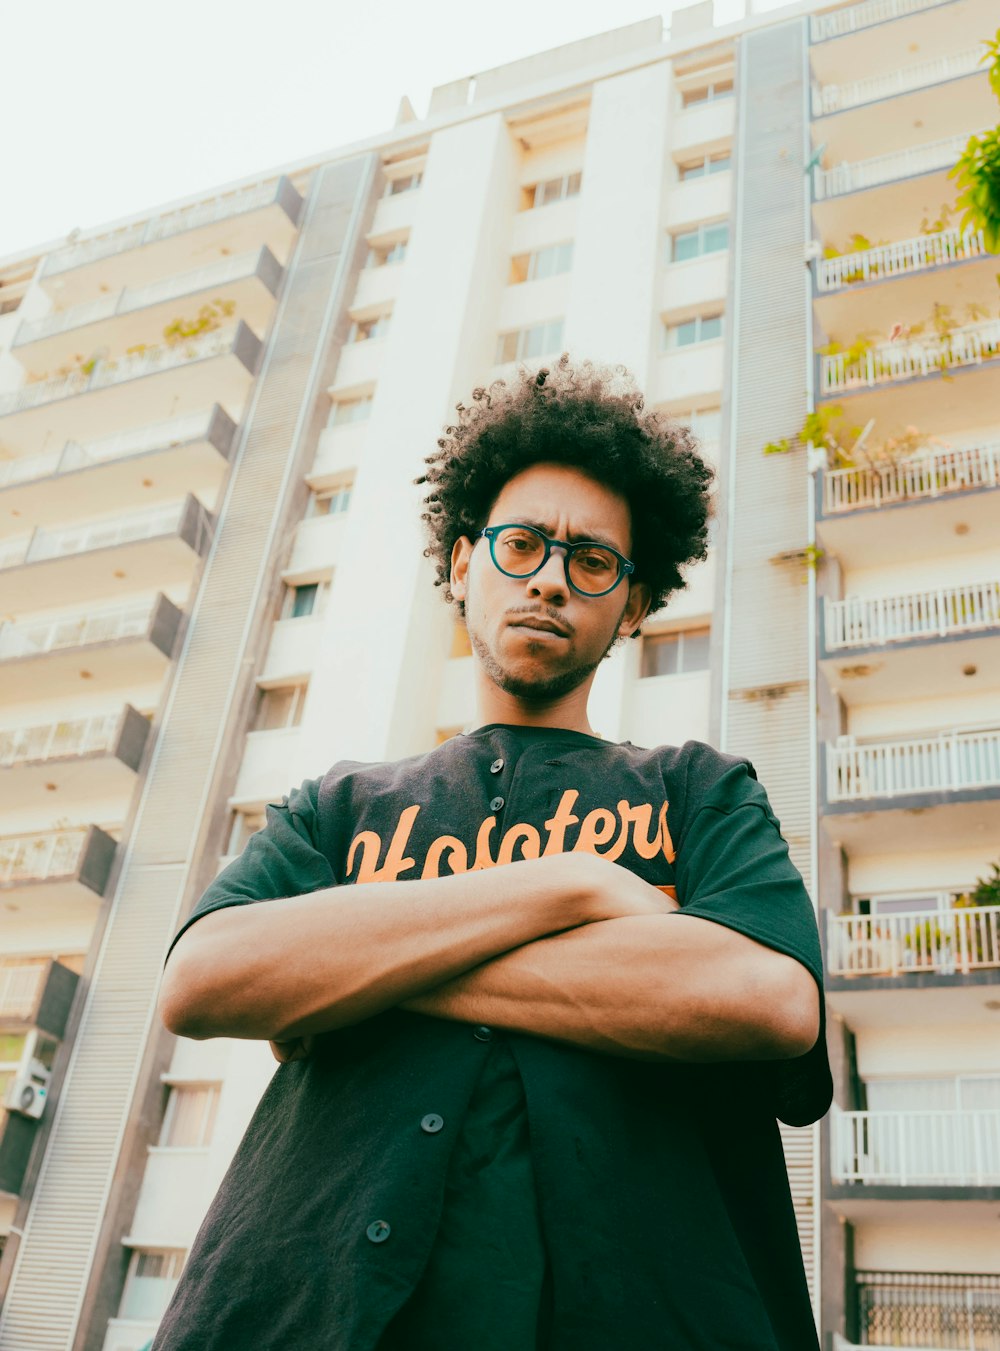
(570,947)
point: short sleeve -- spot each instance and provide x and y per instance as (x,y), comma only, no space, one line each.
(282,859)
(733,867)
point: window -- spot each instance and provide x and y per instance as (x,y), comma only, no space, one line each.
(525,343)
(330,502)
(707,164)
(707,93)
(702,328)
(302,601)
(406,184)
(190,1116)
(548,262)
(703,239)
(366,330)
(677,653)
(345,411)
(382,255)
(244,824)
(552,190)
(280,706)
(152,1276)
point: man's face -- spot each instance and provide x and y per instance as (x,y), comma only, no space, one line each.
(535,663)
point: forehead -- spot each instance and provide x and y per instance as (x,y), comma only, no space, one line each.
(564,502)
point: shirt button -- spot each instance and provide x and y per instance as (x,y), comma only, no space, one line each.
(483,1034)
(496,766)
(496,804)
(378,1231)
(431,1123)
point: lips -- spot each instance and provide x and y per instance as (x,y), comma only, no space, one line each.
(540,626)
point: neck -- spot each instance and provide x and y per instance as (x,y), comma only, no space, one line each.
(568,711)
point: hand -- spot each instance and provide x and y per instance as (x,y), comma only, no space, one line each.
(297,1048)
(609,891)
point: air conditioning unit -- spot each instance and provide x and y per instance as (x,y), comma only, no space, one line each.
(28,1091)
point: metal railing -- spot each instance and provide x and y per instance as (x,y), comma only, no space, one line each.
(137,298)
(58,740)
(904,256)
(107,373)
(20,987)
(947,1311)
(949,762)
(970,345)
(100,626)
(907,1147)
(940,471)
(862,621)
(960,940)
(832,98)
(871,173)
(33,858)
(850,19)
(160,227)
(78,539)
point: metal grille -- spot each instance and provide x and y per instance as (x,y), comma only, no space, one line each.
(946,1311)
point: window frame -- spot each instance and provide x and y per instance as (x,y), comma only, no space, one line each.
(699,233)
(206,1129)
(673,344)
(663,639)
(178,1257)
(688,170)
(552,331)
(715,90)
(569,184)
(298,689)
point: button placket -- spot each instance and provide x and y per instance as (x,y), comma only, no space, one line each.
(432,1123)
(378,1231)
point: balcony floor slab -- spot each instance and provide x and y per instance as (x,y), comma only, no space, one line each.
(920,668)
(915,998)
(70,782)
(917,1207)
(911,530)
(962,399)
(917,823)
(121,664)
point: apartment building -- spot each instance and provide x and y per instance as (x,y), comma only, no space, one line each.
(212,588)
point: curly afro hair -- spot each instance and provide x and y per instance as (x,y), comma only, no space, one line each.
(592,418)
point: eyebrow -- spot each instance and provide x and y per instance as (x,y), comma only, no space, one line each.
(576,536)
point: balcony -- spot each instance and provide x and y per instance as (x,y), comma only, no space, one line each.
(124,646)
(916,1148)
(967,346)
(879,169)
(835,98)
(35,992)
(81,759)
(853,18)
(933,1311)
(694,372)
(231,224)
(939,249)
(899,944)
(163,382)
(942,501)
(879,796)
(109,473)
(114,324)
(263,773)
(78,563)
(65,872)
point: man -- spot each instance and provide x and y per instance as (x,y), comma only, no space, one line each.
(529,1083)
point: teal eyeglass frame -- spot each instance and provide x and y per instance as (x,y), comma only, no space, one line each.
(625,566)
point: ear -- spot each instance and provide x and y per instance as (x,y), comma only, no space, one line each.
(636,610)
(461,553)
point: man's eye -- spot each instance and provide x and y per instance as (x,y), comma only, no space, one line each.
(594,562)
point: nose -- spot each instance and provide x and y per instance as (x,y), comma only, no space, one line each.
(550,582)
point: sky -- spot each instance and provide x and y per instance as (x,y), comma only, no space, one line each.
(113,107)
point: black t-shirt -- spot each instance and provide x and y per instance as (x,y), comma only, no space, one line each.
(661,1187)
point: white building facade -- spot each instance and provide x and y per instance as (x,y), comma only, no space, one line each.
(213,587)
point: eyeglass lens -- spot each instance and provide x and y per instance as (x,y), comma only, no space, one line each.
(519,552)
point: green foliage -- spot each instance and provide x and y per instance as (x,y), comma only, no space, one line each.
(992,55)
(987,890)
(207,320)
(977,174)
(943,221)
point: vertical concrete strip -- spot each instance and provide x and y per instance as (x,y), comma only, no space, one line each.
(54,1266)
(764,661)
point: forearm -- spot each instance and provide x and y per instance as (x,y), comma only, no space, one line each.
(306,964)
(659,987)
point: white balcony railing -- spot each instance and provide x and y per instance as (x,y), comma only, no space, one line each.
(960,940)
(107,373)
(863,621)
(136,298)
(834,98)
(57,740)
(968,346)
(33,858)
(20,987)
(80,455)
(871,173)
(160,227)
(949,762)
(853,17)
(894,260)
(78,539)
(917,1147)
(98,626)
(943,471)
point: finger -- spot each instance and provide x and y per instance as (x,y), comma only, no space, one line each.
(296,1048)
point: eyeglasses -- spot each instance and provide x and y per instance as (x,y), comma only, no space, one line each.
(591,569)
